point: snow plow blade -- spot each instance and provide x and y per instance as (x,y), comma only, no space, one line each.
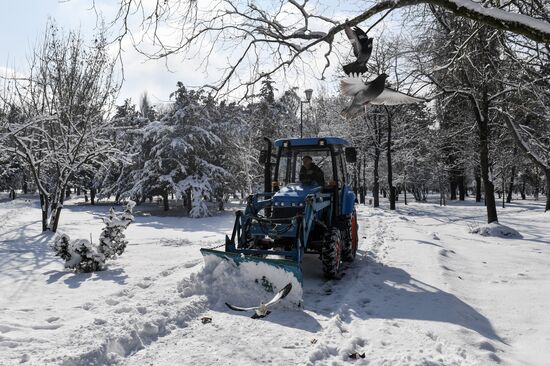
(272,274)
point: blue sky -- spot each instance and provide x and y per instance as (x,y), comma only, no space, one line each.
(22,24)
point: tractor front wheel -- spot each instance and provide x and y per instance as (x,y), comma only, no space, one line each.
(330,253)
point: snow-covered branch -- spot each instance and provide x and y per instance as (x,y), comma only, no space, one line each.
(285,31)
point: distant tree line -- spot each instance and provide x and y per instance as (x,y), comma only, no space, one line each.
(484,133)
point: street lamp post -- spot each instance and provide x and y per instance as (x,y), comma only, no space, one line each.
(308,93)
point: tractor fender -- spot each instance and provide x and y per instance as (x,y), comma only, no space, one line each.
(347,201)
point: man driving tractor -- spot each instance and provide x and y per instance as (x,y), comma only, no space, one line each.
(311,173)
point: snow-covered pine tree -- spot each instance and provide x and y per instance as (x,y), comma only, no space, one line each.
(112,241)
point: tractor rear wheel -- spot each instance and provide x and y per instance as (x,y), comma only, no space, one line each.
(350,239)
(330,253)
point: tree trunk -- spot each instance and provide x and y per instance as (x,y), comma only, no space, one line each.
(454,186)
(461,186)
(503,190)
(376,183)
(536,184)
(189,201)
(511,186)
(441,195)
(478,186)
(484,160)
(356,179)
(390,171)
(57,213)
(165,200)
(364,184)
(93,192)
(44,207)
(547,190)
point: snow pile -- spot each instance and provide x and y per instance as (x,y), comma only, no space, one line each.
(85,256)
(496,229)
(246,284)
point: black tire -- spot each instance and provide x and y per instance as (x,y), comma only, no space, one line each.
(350,239)
(331,253)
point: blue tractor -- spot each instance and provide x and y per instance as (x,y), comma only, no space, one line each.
(298,213)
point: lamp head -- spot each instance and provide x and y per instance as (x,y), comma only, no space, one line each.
(308,94)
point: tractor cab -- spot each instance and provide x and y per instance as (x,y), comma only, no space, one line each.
(328,155)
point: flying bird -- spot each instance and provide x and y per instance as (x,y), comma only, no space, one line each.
(372,92)
(362,48)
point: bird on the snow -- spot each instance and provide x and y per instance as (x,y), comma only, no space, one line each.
(372,92)
(261,311)
(362,48)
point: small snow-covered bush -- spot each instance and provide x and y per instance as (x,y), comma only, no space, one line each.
(82,255)
(79,254)
(495,229)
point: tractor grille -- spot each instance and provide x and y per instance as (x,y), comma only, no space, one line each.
(285,212)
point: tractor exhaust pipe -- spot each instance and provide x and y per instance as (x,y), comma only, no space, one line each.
(267,165)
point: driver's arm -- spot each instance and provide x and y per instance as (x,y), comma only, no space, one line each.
(303,175)
(320,177)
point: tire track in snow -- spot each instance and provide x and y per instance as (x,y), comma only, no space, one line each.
(359,322)
(336,340)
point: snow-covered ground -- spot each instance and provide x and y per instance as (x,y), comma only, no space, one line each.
(422,291)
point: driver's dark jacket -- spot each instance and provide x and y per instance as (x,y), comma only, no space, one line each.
(313,174)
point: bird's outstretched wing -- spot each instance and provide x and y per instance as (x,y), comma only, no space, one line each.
(280,295)
(359,33)
(352,36)
(352,85)
(238,308)
(393,97)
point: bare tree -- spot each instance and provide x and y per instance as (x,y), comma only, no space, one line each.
(270,37)
(57,121)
